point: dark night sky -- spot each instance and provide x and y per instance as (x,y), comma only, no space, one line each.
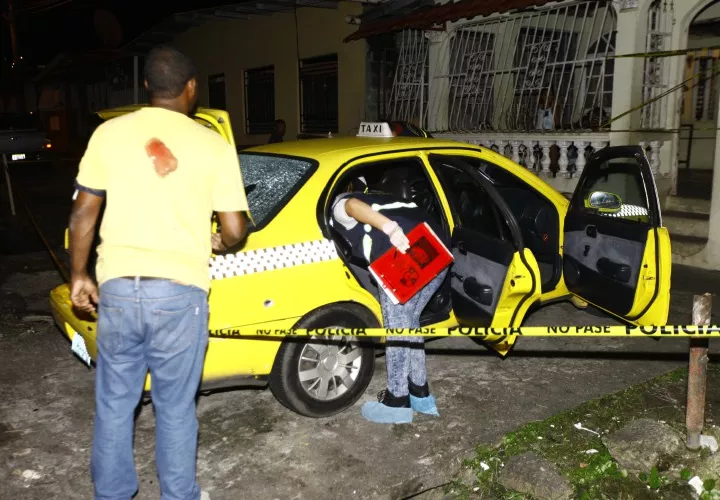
(47,27)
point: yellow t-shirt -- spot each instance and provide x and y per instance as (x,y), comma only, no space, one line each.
(159,226)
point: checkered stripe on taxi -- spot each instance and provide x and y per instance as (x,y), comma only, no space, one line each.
(269,259)
(630,211)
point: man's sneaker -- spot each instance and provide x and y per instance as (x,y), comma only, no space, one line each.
(421,400)
(389,409)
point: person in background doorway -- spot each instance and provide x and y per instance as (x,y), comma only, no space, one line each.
(278,132)
(160,175)
(546,110)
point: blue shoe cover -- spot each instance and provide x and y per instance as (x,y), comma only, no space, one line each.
(424,405)
(381,414)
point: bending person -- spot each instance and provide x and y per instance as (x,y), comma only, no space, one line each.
(373,223)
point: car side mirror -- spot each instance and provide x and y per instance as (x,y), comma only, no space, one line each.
(605,202)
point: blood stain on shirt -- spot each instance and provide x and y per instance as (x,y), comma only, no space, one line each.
(162,158)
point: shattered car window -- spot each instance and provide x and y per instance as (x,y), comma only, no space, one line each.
(271,182)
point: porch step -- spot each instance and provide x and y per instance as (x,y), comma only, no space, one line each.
(685,215)
(686,205)
(684,225)
(695,182)
(686,246)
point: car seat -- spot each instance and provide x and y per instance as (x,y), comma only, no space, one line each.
(400,183)
(394,182)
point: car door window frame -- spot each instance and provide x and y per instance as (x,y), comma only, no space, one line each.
(500,230)
(577,209)
(499,177)
(516,243)
(646,177)
(344,174)
(486,184)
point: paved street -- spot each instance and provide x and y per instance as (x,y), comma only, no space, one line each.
(250,445)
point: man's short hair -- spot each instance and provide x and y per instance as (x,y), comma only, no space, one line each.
(279,121)
(167,71)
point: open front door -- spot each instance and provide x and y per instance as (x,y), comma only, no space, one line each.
(493,278)
(616,252)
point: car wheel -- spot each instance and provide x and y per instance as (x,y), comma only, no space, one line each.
(322,376)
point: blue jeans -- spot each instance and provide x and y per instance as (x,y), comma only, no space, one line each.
(403,361)
(162,326)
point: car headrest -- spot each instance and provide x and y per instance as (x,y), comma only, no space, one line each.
(396,186)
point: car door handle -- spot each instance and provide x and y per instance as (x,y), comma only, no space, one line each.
(477,291)
(591,231)
(614,270)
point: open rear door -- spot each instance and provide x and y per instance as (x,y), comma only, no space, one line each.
(617,255)
(494,279)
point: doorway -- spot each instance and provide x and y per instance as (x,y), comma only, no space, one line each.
(699,104)
(216,91)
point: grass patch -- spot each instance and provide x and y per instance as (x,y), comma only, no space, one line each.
(580,455)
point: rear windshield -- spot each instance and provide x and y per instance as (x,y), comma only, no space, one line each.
(271,182)
(16,121)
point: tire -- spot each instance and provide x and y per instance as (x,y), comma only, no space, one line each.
(305,397)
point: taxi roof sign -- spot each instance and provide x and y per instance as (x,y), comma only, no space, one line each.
(375,129)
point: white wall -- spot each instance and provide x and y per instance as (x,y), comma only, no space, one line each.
(708,257)
(712,12)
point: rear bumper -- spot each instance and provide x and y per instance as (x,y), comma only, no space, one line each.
(67,321)
(229,362)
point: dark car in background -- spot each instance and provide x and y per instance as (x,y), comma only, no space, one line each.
(22,139)
(407,129)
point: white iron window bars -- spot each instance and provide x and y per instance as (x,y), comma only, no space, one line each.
(537,70)
(409,95)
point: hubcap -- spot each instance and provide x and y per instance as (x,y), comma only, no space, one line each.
(329,367)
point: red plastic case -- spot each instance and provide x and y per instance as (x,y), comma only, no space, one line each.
(402,275)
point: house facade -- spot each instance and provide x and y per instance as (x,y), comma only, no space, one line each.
(283,65)
(546,83)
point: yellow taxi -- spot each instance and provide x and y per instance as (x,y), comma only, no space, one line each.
(516,241)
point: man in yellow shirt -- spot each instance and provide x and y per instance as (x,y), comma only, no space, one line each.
(160,175)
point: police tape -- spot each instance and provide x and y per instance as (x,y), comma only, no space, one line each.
(674,331)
